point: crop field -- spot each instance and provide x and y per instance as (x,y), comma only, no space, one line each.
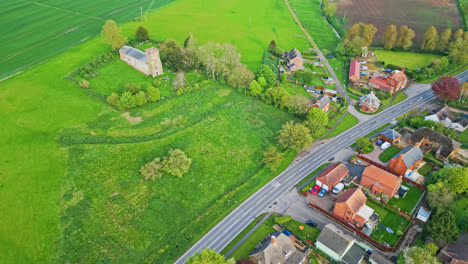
(34,31)
(419,15)
(40,106)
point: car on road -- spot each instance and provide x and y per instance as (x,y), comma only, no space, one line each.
(385,145)
(315,189)
(311,223)
(322,192)
(338,188)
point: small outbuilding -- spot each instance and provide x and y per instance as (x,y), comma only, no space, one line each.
(369,103)
(423,214)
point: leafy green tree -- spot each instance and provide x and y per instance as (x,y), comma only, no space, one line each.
(295,136)
(428,72)
(358,36)
(458,34)
(442,226)
(240,77)
(112,35)
(272,46)
(297,75)
(141,34)
(272,158)
(444,39)
(330,9)
(418,255)
(431,38)
(262,82)
(132,88)
(114,100)
(152,170)
(439,195)
(177,163)
(439,65)
(265,71)
(390,36)
(364,144)
(316,120)
(189,41)
(127,100)
(277,96)
(284,77)
(456,178)
(458,51)
(140,98)
(208,256)
(255,88)
(307,77)
(298,104)
(153,94)
(405,37)
(171,54)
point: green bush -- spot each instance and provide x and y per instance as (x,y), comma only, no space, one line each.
(283,219)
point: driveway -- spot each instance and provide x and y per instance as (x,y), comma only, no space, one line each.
(374,155)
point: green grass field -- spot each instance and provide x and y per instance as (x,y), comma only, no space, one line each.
(408,202)
(35,31)
(387,154)
(39,104)
(389,218)
(409,60)
(424,170)
(348,122)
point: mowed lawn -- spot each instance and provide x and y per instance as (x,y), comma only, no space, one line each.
(410,60)
(408,202)
(39,103)
(348,122)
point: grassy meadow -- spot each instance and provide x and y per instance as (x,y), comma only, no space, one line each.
(410,60)
(35,31)
(38,167)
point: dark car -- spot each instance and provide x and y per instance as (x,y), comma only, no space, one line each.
(311,223)
(322,192)
(379,142)
(315,189)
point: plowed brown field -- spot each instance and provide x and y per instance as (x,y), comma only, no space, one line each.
(416,14)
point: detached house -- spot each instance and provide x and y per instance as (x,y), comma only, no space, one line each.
(379,181)
(294,60)
(323,102)
(354,72)
(278,249)
(351,207)
(429,140)
(446,117)
(390,136)
(339,246)
(407,159)
(332,176)
(392,83)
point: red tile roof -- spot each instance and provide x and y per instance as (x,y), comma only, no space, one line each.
(354,69)
(380,81)
(333,175)
(354,198)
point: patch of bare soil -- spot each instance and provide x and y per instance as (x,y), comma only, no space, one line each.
(133,120)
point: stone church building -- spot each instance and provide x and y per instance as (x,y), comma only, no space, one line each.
(147,62)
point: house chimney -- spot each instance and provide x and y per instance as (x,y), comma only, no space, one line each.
(273,240)
(403,70)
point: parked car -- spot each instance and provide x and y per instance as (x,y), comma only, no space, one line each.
(364,68)
(363,73)
(315,189)
(379,142)
(387,70)
(385,145)
(338,188)
(322,192)
(311,223)
(363,62)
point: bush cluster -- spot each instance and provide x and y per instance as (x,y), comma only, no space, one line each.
(133,96)
(89,70)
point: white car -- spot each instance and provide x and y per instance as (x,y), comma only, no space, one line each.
(385,145)
(338,188)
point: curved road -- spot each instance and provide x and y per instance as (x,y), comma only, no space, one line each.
(239,218)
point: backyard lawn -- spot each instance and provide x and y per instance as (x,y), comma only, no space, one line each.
(410,60)
(408,202)
(387,154)
(308,233)
(389,218)
(426,168)
(348,122)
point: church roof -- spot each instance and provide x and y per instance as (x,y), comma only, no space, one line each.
(370,99)
(135,53)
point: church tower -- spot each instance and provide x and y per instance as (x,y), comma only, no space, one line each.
(153,62)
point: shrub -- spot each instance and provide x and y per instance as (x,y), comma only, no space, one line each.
(196,86)
(140,98)
(133,88)
(177,164)
(283,219)
(114,100)
(128,100)
(205,82)
(156,82)
(153,94)
(284,77)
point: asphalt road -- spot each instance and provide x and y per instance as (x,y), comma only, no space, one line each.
(226,230)
(462,77)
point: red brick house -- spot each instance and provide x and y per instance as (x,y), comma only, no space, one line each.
(407,159)
(351,207)
(369,103)
(390,136)
(429,140)
(354,72)
(380,181)
(294,60)
(332,176)
(323,102)
(392,83)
